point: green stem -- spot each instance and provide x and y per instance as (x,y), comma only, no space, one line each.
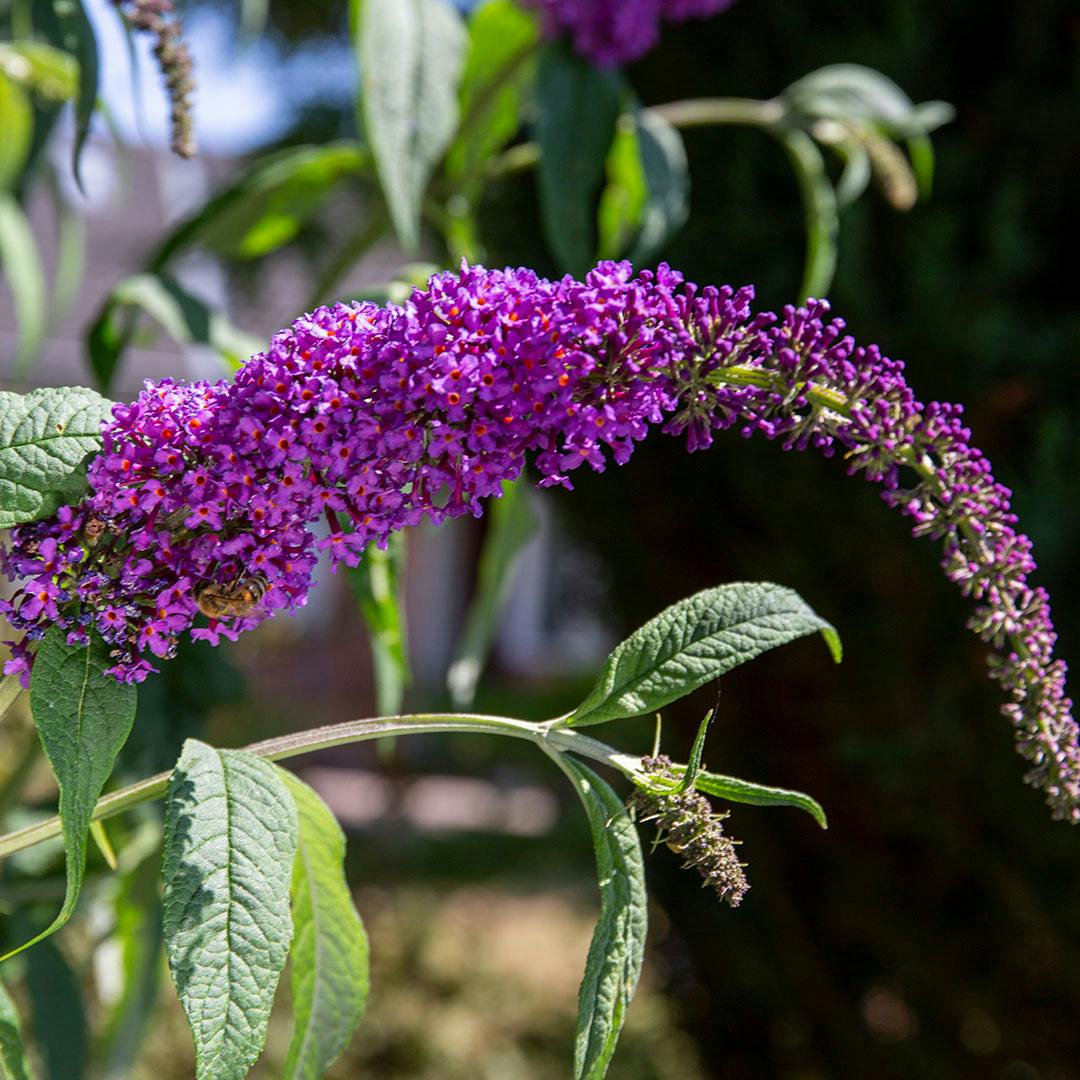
(553,739)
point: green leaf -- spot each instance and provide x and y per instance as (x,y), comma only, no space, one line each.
(83,718)
(17,124)
(622,202)
(57,1005)
(618,945)
(498,67)
(77,37)
(695,641)
(50,72)
(576,110)
(22,267)
(853,92)
(411,54)
(330,947)
(13,1062)
(184,317)
(268,205)
(230,840)
(667,179)
(45,437)
(744,791)
(377,584)
(512,525)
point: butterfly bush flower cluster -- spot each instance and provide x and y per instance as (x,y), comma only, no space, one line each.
(612,32)
(367,419)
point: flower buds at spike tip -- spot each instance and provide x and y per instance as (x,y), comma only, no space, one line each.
(373,418)
(688,825)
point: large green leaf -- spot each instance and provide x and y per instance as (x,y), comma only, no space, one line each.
(21,263)
(330,947)
(377,584)
(618,945)
(512,524)
(576,110)
(411,54)
(183,316)
(230,840)
(695,641)
(269,203)
(498,67)
(13,1061)
(83,718)
(45,437)
(17,124)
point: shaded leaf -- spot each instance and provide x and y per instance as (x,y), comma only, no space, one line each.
(411,54)
(13,1062)
(60,1029)
(45,437)
(21,263)
(267,206)
(76,35)
(512,525)
(695,641)
(498,67)
(577,108)
(615,955)
(230,840)
(83,717)
(330,947)
(377,583)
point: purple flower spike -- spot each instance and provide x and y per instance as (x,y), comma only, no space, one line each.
(368,418)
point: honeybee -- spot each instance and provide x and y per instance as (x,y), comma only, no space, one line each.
(232,600)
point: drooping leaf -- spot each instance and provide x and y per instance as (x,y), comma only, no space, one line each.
(138,934)
(56,1000)
(76,35)
(855,92)
(744,791)
(230,840)
(183,316)
(330,947)
(512,525)
(498,67)
(45,437)
(83,717)
(377,584)
(411,54)
(17,124)
(45,70)
(695,641)
(269,203)
(20,261)
(667,182)
(13,1061)
(576,110)
(618,945)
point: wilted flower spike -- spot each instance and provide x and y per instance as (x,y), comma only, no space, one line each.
(159,19)
(687,823)
(373,418)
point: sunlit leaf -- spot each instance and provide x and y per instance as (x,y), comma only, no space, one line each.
(17,126)
(695,641)
(615,955)
(230,841)
(47,71)
(330,947)
(411,54)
